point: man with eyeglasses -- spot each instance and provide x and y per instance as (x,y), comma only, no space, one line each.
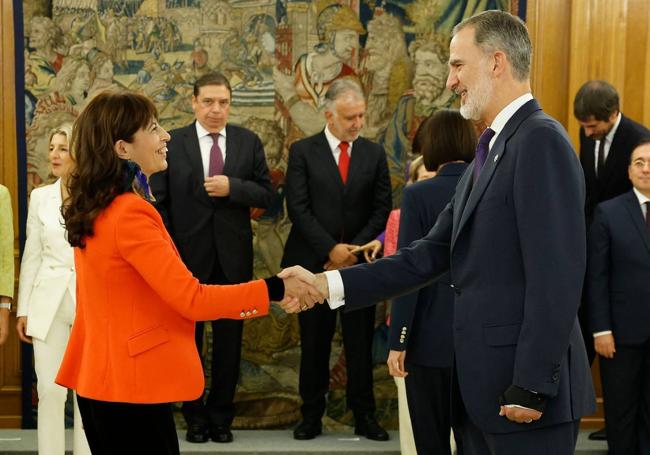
(618,297)
(216,173)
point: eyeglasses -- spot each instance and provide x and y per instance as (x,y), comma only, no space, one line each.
(640,164)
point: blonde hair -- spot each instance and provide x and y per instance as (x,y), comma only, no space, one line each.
(413,168)
(64,129)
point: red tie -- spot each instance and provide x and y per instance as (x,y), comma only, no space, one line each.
(344,161)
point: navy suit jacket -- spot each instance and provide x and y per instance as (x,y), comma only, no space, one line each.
(421,322)
(515,246)
(323,210)
(614,180)
(206,229)
(618,273)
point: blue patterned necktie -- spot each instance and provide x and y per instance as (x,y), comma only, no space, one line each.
(482,150)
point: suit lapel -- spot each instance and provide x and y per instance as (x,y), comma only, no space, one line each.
(192,150)
(356,162)
(634,209)
(494,158)
(322,148)
(51,210)
(232,145)
(463,189)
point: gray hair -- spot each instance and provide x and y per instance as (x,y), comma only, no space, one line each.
(501,31)
(341,88)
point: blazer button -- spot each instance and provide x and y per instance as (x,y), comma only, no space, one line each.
(456,289)
(242,314)
(248,313)
(254,310)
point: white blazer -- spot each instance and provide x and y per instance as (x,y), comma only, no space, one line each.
(47,268)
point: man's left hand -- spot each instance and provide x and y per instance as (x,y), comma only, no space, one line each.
(217,186)
(519,415)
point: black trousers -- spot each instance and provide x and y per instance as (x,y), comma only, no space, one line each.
(127,428)
(217,407)
(553,440)
(428,392)
(626,395)
(316,331)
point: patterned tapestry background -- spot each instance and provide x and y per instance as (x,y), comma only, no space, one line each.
(280,56)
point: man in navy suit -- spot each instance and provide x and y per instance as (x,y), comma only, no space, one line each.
(513,240)
(618,296)
(217,172)
(607,138)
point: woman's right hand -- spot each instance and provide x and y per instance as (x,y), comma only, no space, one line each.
(21,328)
(370,250)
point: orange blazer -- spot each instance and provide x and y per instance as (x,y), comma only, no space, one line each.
(132,339)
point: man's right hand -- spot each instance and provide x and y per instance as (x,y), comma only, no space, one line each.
(395,363)
(605,345)
(21,328)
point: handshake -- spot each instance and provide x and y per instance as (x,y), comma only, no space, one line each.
(302,289)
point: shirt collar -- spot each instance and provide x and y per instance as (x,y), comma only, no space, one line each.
(333,141)
(201,132)
(610,136)
(640,196)
(502,117)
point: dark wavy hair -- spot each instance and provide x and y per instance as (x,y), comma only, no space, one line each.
(100,175)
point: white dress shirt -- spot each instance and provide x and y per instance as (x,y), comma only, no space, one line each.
(642,201)
(334,144)
(334,280)
(205,143)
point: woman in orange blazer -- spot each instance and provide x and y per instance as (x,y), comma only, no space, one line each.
(131,351)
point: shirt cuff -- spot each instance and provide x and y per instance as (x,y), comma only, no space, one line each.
(604,332)
(335,288)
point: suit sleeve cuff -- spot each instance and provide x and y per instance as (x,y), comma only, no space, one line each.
(516,396)
(335,289)
(275,288)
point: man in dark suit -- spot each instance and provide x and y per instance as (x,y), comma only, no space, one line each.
(607,138)
(216,173)
(618,295)
(338,196)
(513,240)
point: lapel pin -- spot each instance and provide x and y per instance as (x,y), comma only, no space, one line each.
(496,157)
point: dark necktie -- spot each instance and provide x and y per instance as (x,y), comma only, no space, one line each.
(600,159)
(647,214)
(344,161)
(216,158)
(482,150)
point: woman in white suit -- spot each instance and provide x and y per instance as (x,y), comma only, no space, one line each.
(46,298)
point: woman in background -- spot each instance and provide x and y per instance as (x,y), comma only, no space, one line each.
(420,336)
(46,298)
(132,350)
